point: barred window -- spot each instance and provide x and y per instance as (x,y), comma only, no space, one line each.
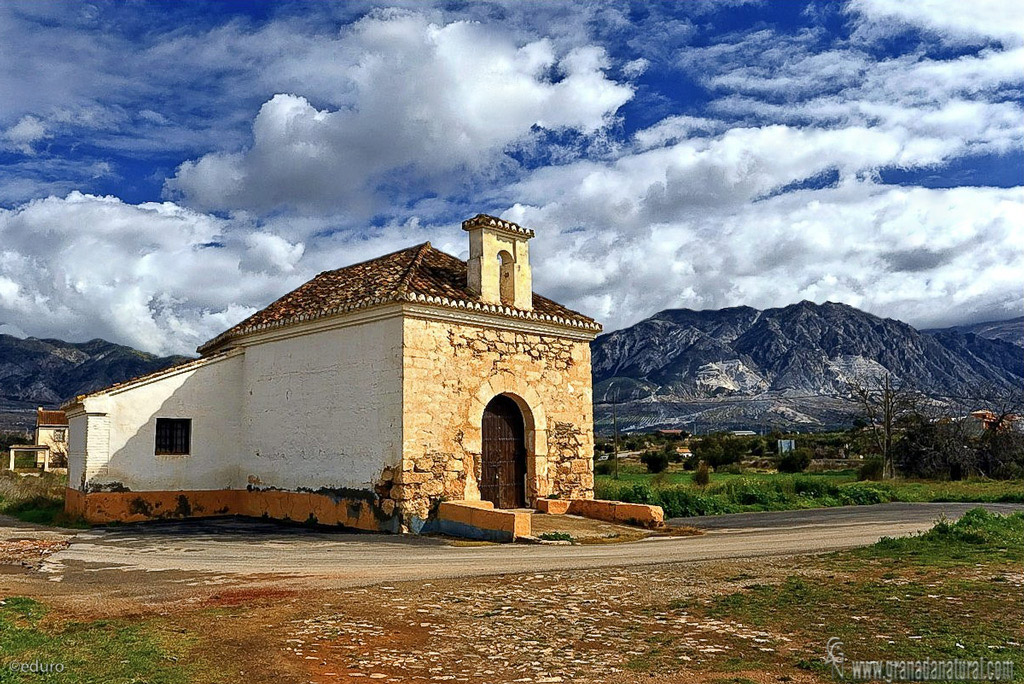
(173,436)
(59,435)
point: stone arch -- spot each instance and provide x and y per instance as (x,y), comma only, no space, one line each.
(536,428)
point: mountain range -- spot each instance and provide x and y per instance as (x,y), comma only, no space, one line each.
(789,367)
(35,372)
(734,368)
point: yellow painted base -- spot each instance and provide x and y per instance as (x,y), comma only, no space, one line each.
(641,515)
(324,509)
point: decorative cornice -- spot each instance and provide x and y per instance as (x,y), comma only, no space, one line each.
(498,322)
(494,223)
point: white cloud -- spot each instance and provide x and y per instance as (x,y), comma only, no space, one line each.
(271,253)
(435,104)
(416,113)
(999,19)
(156,276)
(635,68)
(890,250)
(23,134)
(934,109)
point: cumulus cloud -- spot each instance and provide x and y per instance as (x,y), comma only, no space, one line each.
(156,276)
(764,191)
(890,250)
(426,105)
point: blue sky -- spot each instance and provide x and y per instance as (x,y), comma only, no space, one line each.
(167,168)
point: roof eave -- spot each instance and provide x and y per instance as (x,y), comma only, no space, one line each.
(580,324)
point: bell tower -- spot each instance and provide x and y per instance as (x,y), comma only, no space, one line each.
(499,261)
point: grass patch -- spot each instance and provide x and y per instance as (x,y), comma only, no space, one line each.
(99,651)
(555,536)
(775,492)
(895,599)
(978,536)
(35,498)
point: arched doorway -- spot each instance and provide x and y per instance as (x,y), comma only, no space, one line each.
(503,456)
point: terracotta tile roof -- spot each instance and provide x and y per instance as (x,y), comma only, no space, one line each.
(420,274)
(44,417)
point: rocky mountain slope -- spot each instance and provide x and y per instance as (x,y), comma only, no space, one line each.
(1011,331)
(740,368)
(735,368)
(36,372)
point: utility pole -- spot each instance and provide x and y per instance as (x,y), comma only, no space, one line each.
(615,427)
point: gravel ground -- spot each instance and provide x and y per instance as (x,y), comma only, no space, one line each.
(582,626)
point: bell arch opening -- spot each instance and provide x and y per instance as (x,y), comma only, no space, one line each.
(506,278)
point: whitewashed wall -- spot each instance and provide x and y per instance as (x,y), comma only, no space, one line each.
(77,436)
(323,410)
(208,394)
(319,410)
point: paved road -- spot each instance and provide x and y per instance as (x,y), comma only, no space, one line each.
(253,547)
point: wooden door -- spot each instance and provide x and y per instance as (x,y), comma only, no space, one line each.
(503,462)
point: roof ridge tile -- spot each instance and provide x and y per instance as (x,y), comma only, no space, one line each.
(414,264)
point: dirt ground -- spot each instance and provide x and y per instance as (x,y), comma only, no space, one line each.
(594,625)
(607,623)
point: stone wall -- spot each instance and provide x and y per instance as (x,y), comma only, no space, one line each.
(451,371)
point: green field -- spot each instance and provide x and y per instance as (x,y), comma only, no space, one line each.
(675,492)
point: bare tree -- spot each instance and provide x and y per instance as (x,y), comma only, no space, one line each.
(883,402)
(615,429)
(1001,452)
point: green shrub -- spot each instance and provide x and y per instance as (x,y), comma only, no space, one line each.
(604,467)
(656,461)
(795,461)
(33,498)
(750,492)
(702,475)
(681,502)
(863,495)
(871,469)
(732,469)
(815,487)
(38,509)
(719,449)
(640,493)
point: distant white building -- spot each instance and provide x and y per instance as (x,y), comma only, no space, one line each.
(50,449)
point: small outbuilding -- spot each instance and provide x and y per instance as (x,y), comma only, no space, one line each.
(49,451)
(363,398)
